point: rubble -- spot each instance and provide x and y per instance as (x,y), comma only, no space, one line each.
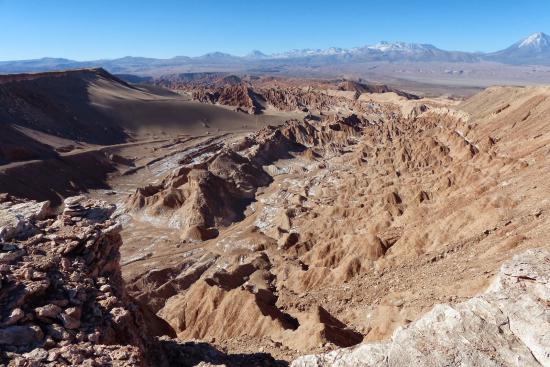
(62,300)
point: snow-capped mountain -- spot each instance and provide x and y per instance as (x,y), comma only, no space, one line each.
(308,52)
(382,51)
(376,49)
(535,42)
(534,49)
(385,46)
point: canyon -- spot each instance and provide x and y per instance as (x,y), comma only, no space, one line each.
(212,218)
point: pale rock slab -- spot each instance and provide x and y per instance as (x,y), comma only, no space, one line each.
(508,325)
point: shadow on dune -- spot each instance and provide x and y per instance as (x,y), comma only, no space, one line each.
(16,146)
(52,179)
(60,104)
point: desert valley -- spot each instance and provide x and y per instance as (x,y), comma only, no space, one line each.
(218,212)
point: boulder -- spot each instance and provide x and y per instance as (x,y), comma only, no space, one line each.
(16,218)
(50,311)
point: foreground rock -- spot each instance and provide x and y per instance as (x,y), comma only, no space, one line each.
(509,325)
(62,300)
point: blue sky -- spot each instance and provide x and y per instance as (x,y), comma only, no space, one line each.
(86,29)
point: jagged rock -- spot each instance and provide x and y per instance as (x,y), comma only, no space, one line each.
(15,315)
(38,354)
(42,289)
(74,200)
(288,239)
(348,184)
(508,325)
(7,257)
(239,96)
(57,332)
(69,321)
(50,311)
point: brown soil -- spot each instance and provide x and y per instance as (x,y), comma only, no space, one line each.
(50,113)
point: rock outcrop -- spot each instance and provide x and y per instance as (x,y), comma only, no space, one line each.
(199,197)
(239,96)
(508,325)
(314,235)
(62,300)
(213,190)
(18,215)
(256,95)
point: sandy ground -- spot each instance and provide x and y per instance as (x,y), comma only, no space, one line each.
(85,117)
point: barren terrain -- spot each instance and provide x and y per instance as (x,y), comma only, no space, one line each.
(285,216)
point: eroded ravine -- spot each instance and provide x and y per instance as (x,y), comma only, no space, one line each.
(329,233)
(302,238)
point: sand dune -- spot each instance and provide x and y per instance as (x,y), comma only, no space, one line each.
(92,107)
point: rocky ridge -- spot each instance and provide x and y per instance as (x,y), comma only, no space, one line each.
(214,189)
(62,300)
(239,96)
(496,328)
(256,95)
(317,234)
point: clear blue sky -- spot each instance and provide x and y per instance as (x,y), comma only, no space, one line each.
(92,29)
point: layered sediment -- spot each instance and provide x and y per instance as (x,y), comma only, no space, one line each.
(419,201)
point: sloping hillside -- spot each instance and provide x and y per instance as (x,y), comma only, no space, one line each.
(59,111)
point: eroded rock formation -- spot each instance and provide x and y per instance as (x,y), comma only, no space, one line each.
(322,233)
(360,223)
(255,95)
(240,96)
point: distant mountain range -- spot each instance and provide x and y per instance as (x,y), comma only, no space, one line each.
(532,50)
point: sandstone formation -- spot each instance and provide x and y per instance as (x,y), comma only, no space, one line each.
(239,96)
(254,95)
(418,199)
(213,189)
